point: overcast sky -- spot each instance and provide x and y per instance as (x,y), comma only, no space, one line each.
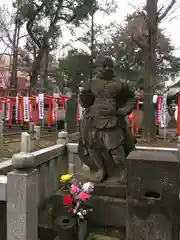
(171,24)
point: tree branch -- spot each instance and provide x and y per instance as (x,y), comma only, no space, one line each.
(141,46)
(30,23)
(166,11)
(140,12)
(55,19)
(6,31)
(8,45)
(2,54)
(25,35)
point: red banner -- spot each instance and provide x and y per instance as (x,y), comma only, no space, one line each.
(159,110)
(53,109)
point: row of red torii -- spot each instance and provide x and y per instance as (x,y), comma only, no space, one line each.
(31,109)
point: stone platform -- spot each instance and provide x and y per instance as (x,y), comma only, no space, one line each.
(108,203)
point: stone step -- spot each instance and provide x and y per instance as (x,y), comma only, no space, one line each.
(111,190)
(94,236)
(45,233)
(111,187)
(107,234)
(108,212)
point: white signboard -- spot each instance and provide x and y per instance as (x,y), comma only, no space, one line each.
(41,106)
(26,109)
(164,110)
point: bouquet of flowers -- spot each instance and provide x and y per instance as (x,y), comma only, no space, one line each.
(79,193)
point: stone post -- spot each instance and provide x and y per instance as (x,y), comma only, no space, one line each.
(25,142)
(32,137)
(31,127)
(71,109)
(75,163)
(22,199)
(37,132)
(62,139)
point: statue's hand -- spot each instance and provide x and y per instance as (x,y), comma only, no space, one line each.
(122,112)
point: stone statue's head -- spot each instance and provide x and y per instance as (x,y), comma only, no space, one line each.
(107,69)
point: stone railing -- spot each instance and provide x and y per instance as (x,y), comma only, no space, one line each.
(26,182)
(77,164)
(5,167)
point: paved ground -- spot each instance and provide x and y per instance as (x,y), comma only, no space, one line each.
(170,140)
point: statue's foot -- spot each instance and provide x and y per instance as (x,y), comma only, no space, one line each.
(101,175)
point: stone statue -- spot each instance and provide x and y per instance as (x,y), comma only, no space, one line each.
(105,138)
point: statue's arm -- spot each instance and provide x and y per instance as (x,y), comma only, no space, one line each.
(130,103)
(86,97)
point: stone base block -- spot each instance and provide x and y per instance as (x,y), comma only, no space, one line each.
(107,211)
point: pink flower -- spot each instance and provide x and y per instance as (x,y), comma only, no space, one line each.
(74,189)
(70,210)
(84,196)
(67,201)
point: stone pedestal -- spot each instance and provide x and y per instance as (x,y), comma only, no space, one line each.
(22,205)
(153,196)
(108,203)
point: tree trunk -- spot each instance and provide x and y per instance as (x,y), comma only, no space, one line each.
(46,69)
(92,43)
(150,71)
(36,69)
(13,82)
(149,110)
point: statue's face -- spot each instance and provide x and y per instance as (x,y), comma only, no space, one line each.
(107,63)
(107,74)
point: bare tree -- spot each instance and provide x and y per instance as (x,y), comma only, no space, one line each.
(10,25)
(6,26)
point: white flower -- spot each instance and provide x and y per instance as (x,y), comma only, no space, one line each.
(88,187)
(79,214)
(84,212)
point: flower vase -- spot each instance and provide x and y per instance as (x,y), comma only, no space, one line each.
(82,229)
(66,227)
(65,188)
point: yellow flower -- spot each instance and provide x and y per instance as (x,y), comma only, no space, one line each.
(49,211)
(66,177)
